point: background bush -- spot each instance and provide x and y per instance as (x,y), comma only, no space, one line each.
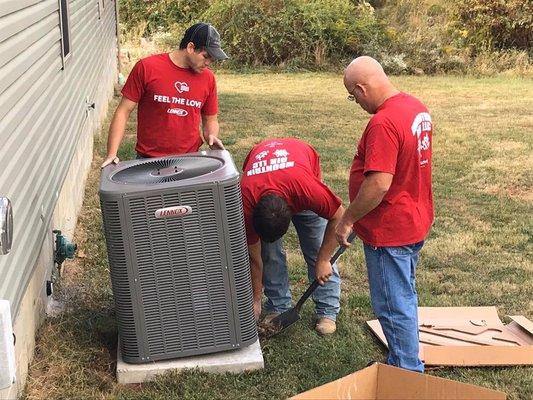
(421,31)
(497,24)
(296,33)
(147,17)
(406,36)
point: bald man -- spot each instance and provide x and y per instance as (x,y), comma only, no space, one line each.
(391,202)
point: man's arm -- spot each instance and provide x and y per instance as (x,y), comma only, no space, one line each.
(210,129)
(256,268)
(117,129)
(323,269)
(370,195)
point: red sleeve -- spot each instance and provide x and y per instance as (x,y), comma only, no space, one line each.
(245,163)
(210,106)
(134,87)
(381,149)
(319,198)
(315,163)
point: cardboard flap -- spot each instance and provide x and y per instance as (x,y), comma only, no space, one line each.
(480,356)
(525,323)
(465,316)
(360,385)
(396,383)
(384,382)
(470,336)
(375,327)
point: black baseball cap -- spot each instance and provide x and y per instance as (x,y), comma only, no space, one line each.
(204,35)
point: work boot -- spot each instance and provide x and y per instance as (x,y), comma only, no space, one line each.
(325,326)
(269,317)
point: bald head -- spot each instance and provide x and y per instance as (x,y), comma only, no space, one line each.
(365,70)
(365,79)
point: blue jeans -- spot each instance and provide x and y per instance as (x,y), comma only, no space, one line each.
(310,229)
(391,276)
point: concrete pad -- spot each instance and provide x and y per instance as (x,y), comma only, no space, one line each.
(246,359)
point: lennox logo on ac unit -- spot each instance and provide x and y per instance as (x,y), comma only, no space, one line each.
(169,212)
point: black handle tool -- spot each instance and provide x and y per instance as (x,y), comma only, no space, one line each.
(289,317)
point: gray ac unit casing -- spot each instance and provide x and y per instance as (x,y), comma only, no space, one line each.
(181,284)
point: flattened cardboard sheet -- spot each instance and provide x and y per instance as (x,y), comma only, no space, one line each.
(470,336)
(384,382)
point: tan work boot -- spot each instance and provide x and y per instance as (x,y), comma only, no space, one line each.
(269,317)
(325,326)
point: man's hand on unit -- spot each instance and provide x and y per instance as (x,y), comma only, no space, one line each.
(215,143)
(110,160)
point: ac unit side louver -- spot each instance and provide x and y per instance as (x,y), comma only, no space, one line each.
(178,258)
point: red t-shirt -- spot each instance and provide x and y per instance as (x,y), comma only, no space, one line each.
(170,101)
(290,169)
(397,140)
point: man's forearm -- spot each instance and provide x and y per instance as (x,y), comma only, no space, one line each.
(256,269)
(370,195)
(116,131)
(329,243)
(210,128)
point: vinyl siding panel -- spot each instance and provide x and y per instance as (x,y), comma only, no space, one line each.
(43,110)
(23,19)
(22,40)
(9,6)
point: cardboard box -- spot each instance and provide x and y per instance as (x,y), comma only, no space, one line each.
(382,382)
(470,336)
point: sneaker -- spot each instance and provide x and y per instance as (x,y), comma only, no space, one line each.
(325,326)
(269,317)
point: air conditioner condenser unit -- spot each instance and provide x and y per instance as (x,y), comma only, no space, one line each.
(178,257)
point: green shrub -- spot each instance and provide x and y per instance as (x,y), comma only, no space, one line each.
(146,17)
(421,32)
(497,24)
(296,33)
(406,36)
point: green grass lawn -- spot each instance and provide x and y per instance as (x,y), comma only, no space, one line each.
(479,251)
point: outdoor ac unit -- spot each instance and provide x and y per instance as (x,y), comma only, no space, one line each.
(178,256)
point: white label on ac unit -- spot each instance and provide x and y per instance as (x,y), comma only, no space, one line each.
(170,212)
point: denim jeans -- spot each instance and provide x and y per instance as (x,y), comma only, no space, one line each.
(391,276)
(310,229)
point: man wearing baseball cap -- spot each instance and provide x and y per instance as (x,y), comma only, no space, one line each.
(174,93)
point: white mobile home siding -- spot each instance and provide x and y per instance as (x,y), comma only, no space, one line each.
(44,108)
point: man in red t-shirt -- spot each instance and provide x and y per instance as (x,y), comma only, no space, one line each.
(174,92)
(391,207)
(282,182)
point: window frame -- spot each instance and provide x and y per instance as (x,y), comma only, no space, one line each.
(64,27)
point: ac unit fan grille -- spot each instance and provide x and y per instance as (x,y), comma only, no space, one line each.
(239,261)
(167,170)
(119,278)
(181,278)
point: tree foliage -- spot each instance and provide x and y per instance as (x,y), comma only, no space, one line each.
(420,36)
(497,24)
(298,32)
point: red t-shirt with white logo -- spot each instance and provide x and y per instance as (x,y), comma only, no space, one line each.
(290,169)
(397,140)
(170,101)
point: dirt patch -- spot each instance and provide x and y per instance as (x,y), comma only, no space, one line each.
(267,329)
